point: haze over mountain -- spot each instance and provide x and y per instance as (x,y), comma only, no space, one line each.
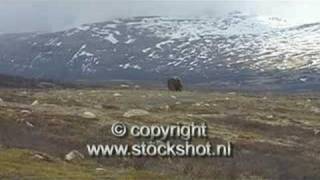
(18,16)
(233,51)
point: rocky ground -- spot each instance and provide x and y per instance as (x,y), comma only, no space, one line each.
(41,131)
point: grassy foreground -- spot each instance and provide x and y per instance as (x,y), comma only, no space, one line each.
(274,136)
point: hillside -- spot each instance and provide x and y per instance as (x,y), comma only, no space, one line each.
(237,51)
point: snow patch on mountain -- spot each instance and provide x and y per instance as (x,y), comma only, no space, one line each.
(111,38)
(128,65)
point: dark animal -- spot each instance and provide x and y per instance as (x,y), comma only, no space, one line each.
(174,84)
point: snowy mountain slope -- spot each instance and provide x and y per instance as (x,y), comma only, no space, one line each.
(238,51)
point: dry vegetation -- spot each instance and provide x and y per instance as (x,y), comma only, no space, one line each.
(274,136)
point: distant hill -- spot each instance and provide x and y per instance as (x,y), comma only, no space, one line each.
(7,81)
(15,81)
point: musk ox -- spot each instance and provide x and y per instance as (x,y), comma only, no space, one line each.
(174,84)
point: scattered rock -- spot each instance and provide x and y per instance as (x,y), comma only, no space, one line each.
(197,104)
(135,113)
(29,124)
(270,116)
(74,155)
(100,169)
(117,95)
(173,97)
(42,157)
(2,103)
(178,103)
(137,87)
(149,107)
(20,120)
(38,156)
(206,104)
(98,106)
(190,115)
(124,86)
(218,116)
(165,107)
(36,102)
(315,109)
(55,122)
(89,115)
(316,131)
(26,112)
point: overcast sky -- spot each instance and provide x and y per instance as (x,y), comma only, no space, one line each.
(54,15)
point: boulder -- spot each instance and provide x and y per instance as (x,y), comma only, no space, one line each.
(206,104)
(315,109)
(74,155)
(137,87)
(36,102)
(2,103)
(270,116)
(42,157)
(98,106)
(29,124)
(165,107)
(135,113)
(117,95)
(197,104)
(124,86)
(89,115)
(100,169)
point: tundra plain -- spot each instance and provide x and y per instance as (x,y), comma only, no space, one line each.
(275,136)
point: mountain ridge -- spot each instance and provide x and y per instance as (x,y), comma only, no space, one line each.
(238,50)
